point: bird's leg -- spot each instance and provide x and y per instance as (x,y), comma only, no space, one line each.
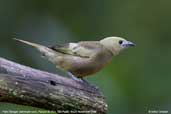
(81,80)
(86,82)
(74,77)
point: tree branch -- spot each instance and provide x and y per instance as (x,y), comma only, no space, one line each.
(27,86)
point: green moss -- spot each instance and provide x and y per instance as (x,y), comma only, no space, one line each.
(3,84)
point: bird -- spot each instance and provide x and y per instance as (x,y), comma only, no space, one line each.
(82,58)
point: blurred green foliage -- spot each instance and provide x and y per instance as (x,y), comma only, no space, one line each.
(136,81)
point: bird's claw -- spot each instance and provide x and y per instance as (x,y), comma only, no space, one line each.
(81,80)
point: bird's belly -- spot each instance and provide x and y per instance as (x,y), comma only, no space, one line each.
(84,67)
(85,71)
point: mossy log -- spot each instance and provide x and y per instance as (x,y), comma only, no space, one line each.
(24,85)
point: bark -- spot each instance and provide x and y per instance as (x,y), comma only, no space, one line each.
(24,85)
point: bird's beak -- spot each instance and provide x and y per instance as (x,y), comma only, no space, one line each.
(128,43)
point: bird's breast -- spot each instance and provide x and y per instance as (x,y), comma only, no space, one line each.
(82,67)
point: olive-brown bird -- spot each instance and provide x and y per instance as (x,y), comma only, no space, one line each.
(83,58)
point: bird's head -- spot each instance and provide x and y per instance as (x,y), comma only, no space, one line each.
(116,44)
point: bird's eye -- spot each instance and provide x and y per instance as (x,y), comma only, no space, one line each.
(120,41)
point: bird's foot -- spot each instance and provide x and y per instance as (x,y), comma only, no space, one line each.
(86,82)
(74,77)
(81,80)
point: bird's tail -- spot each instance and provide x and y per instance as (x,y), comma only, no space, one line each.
(43,49)
(29,43)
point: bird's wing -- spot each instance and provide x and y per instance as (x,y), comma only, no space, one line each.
(83,49)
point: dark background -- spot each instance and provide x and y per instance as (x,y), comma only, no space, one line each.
(136,81)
